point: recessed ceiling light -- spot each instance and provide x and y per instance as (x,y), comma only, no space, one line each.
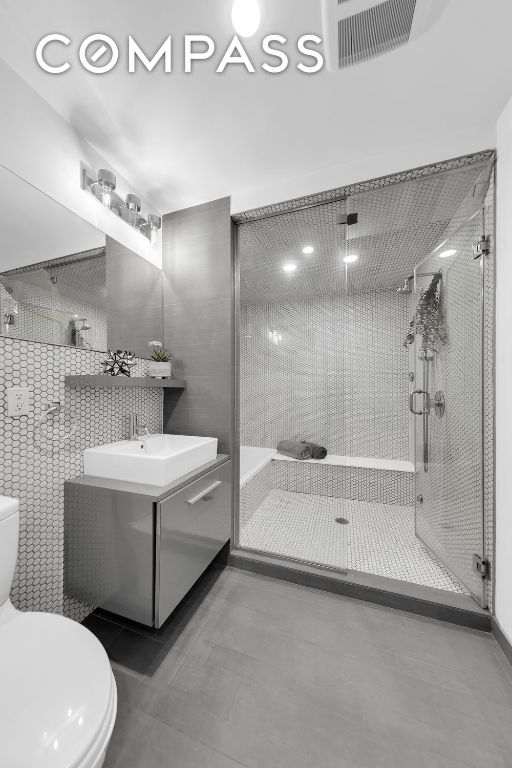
(290,267)
(246,17)
(307,250)
(351,259)
(447,254)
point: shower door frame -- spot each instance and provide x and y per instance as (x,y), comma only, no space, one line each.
(487,324)
(359,583)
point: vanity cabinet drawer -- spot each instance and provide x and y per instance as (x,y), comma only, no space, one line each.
(192,526)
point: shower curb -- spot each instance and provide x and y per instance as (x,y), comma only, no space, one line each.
(473,619)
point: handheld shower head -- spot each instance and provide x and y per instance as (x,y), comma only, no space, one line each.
(407,286)
(80,323)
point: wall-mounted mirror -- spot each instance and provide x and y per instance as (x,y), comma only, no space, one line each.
(62,281)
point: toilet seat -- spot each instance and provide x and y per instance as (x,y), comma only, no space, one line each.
(96,755)
(58,695)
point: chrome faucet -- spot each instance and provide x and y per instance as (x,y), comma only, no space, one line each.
(137,431)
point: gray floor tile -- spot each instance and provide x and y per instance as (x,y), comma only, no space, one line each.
(261,674)
(106,631)
(137,652)
(144,742)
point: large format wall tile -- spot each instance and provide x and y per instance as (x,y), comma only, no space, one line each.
(198,311)
(134,307)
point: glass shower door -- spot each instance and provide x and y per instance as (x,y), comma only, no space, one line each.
(447,404)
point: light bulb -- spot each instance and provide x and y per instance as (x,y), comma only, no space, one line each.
(289,267)
(351,259)
(154,222)
(107,184)
(447,254)
(133,204)
(246,17)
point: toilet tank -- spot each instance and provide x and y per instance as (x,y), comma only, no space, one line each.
(9,529)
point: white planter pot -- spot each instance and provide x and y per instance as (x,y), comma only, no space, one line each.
(160,370)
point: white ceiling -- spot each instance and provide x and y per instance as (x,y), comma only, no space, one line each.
(182,140)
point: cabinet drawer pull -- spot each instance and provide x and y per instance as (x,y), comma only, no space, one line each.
(204,493)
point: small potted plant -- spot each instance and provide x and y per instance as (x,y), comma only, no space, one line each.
(160,364)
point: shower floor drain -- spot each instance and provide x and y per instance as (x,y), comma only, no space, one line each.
(342,520)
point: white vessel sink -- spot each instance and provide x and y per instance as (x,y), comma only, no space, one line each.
(156,460)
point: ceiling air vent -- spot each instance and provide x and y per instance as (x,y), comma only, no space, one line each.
(358,30)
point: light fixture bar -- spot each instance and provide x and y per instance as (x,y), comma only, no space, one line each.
(103,188)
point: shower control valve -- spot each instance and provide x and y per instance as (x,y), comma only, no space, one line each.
(440,404)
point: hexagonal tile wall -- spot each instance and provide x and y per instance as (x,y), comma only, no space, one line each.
(36,463)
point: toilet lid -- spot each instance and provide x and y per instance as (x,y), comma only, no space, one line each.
(56,686)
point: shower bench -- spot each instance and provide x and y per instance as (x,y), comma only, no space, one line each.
(347,477)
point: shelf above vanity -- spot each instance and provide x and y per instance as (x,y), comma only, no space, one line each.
(102,381)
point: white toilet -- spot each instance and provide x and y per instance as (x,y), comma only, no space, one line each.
(58,697)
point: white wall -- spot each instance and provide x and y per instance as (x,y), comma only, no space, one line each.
(504,377)
(41,147)
(442,146)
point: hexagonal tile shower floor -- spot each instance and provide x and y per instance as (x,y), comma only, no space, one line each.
(378,539)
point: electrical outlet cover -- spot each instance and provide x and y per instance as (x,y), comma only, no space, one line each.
(18,402)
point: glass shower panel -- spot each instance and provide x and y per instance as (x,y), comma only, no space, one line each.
(292,296)
(447,403)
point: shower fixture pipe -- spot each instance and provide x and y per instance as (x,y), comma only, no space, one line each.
(427,361)
(427,358)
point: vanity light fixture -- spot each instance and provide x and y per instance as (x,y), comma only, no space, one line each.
(290,267)
(103,188)
(351,259)
(246,17)
(448,253)
(308,250)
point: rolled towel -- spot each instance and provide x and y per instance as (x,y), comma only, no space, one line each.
(295,450)
(317,451)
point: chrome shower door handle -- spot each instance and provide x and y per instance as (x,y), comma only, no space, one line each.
(426,402)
